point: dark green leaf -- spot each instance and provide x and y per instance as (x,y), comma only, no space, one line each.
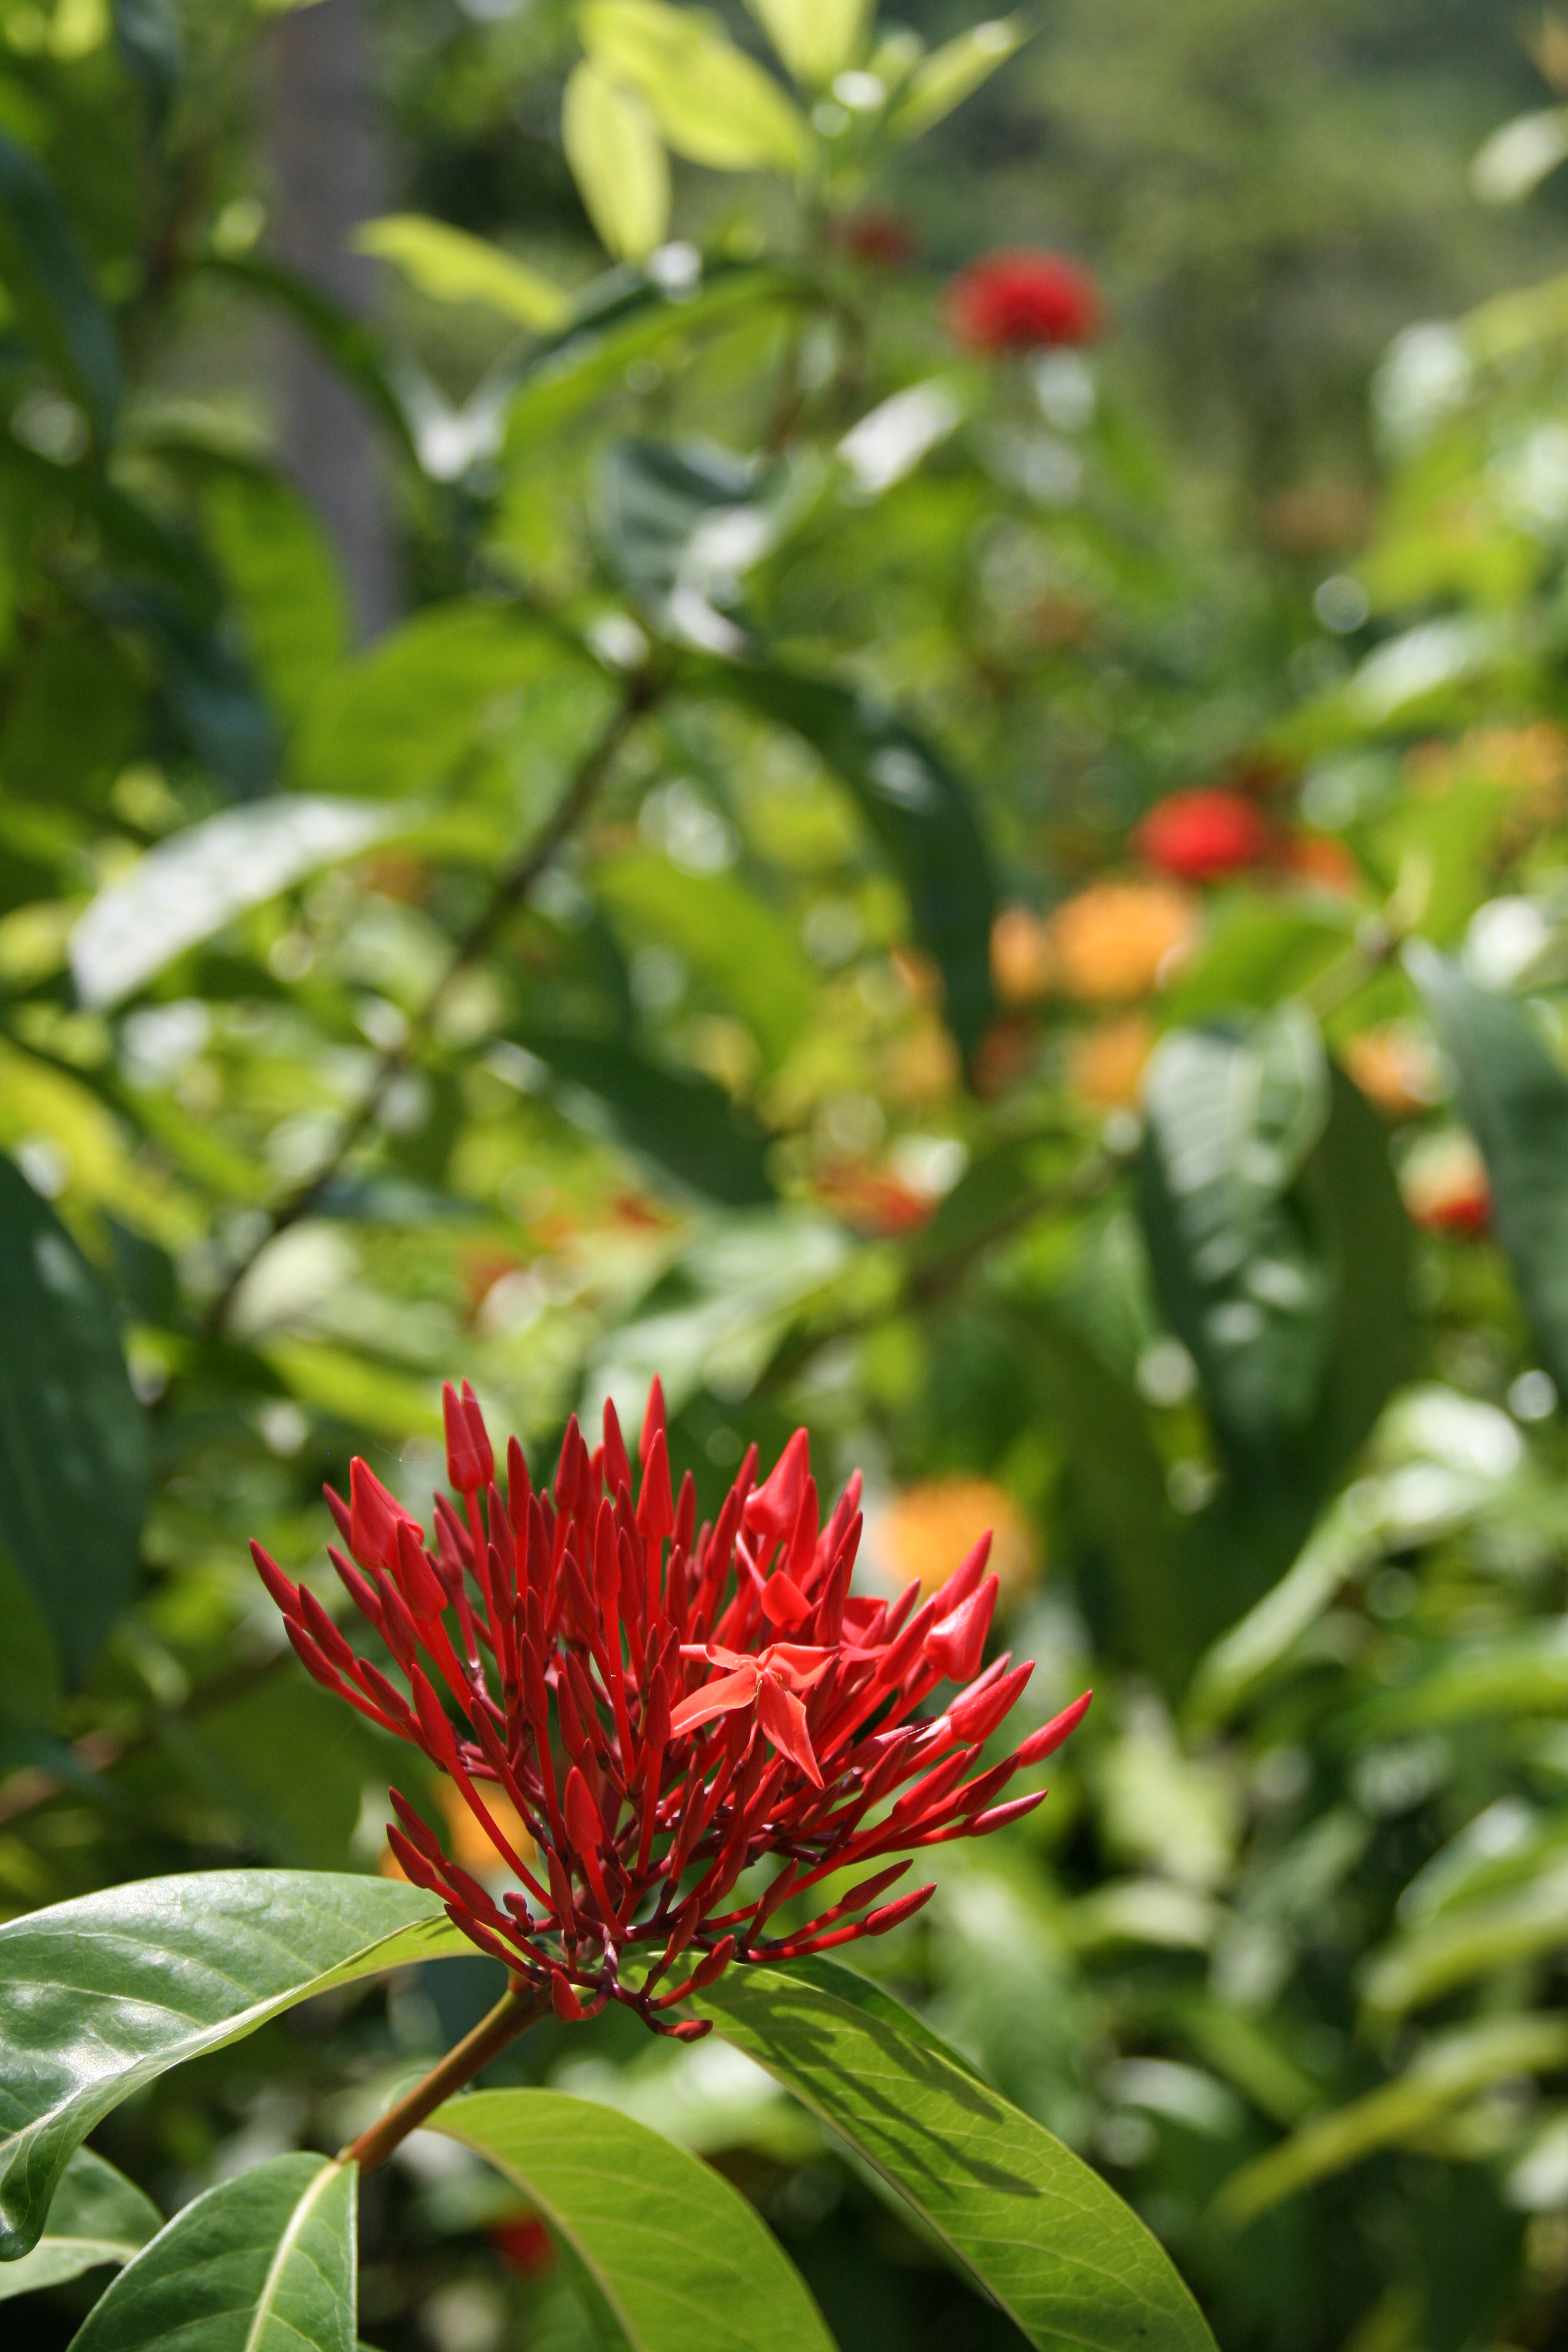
(265,2263)
(103,1994)
(73,1445)
(1516,1100)
(921,814)
(149,42)
(654,500)
(352,347)
(48,273)
(673,2256)
(682,1124)
(1058,2249)
(98,2217)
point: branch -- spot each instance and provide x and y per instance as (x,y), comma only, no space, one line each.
(517,2009)
(641,691)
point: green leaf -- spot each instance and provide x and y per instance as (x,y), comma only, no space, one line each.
(685,1125)
(46,271)
(73,1441)
(1231,1121)
(351,345)
(734,942)
(450,266)
(712,103)
(919,811)
(265,2263)
(945,78)
(152,51)
(188,885)
(815,38)
(1482,1940)
(103,1994)
(673,2256)
(653,502)
(1452,2067)
(285,580)
(1515,1099)
(1057,2249)
(98,2217)
(618,161)
(1515,160)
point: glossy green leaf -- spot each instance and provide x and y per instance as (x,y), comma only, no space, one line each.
(450,266)
(815,39)
(1451,2068)
(265,2263)
(1061,2253)
(97,2218)
(618,161)
(710,101)
(1515,1099)
(656,506)
(1231,1121)
(684,1125)
(103,1994)
(49,278)
(732,942)
(919,811)
(73,1439)
(673,2256)
(945,78)
(188,885)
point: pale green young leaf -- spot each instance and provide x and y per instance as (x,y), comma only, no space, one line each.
(265,2263)
(673,2257)
(618,161)
(97,2219)
(945,78)
(1070,2263)
(450,266)
(103,1994)
(710,101)
(815,39)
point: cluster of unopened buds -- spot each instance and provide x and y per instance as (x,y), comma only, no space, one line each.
(663,1708)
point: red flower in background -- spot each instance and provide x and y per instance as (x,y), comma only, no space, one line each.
(1200,837)
(880,239)
(663,1705)
(1023,302)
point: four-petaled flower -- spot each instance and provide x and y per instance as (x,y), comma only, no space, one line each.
(558,1650)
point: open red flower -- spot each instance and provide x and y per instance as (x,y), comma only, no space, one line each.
(663,1705)
(1203,835)
(1023,302)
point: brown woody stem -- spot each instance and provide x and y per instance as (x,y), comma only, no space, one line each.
(518,2008)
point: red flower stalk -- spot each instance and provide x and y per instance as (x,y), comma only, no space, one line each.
(1023,302)
(1200,837)
(664,1706)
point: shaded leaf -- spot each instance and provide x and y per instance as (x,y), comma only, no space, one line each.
(737,944)
(49,278)
(685,1125)
(618,161)
(148,38)
(673,2255)
(1057,2248)
(921,814)
(98,2217)
(188,885)
(73,1443)
(266,2263)
(103,1994)
(285,580)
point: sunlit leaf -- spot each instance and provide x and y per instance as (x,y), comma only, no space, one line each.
(73,1440)
(450,266)
(97,2218)
(103,1995)
(187,887)
(1061,2253)
(1515,160)
(673,2255)
(712,103)
(266,2263)
(815,38)
(945,78)
(285,578)
(618,161)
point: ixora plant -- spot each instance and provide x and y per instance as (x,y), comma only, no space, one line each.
(676,1740)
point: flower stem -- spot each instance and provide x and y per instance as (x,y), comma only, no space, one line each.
(518,2008)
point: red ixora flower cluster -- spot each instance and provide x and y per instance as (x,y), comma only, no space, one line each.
(1023,302)
(664,1706)
(1204,835)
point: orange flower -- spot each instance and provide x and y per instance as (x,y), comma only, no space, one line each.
(1119,940)
(925,1526)
(1023,958)
(1322,863)
(1105,1065)
(1444,1183)
(1394,1067)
